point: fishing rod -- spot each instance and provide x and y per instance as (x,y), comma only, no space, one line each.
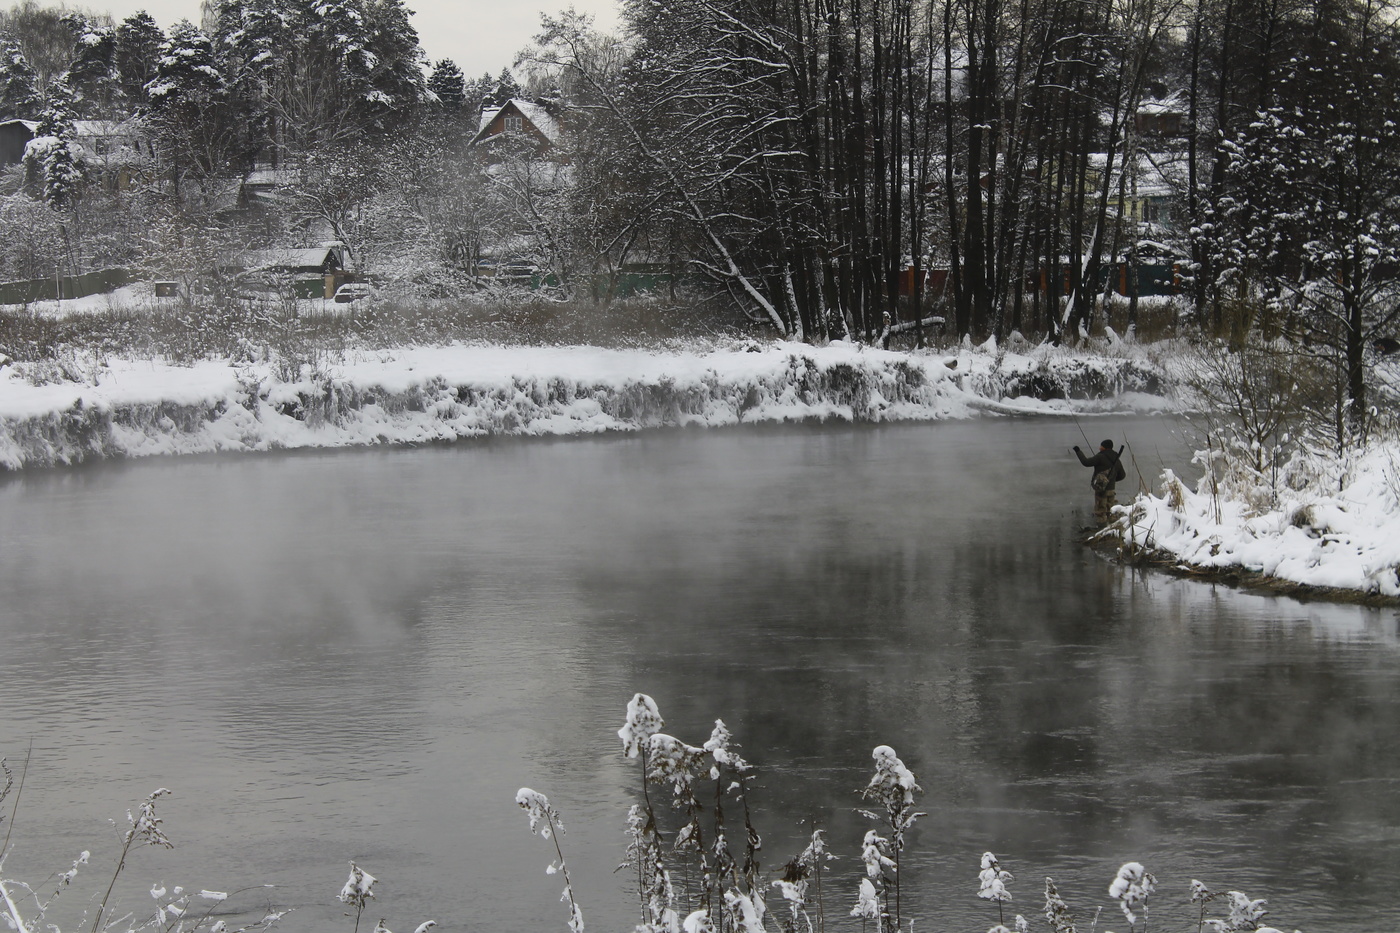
(1137,468)
(1088,442)
(1132,455)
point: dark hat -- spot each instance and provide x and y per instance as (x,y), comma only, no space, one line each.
(1107,443)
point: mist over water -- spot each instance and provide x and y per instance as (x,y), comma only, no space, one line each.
(362,655)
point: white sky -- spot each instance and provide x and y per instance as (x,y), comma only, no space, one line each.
(479,35)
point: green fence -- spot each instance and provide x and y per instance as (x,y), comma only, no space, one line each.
(69,286)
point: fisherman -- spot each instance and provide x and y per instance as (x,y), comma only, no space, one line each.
(1108,470)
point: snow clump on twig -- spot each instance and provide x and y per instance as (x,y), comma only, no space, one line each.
(643,721)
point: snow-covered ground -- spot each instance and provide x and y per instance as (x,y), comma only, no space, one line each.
(139,298)
(53,415)
(1324,522)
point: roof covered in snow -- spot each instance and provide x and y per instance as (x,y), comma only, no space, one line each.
(538,117)
(302,258)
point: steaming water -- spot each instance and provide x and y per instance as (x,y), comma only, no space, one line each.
(362,655)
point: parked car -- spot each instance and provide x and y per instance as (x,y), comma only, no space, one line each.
(351,291)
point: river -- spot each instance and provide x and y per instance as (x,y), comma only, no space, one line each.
(363,654)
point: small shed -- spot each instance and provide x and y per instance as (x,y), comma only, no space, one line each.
(14,136)
(314,272)
(319,260)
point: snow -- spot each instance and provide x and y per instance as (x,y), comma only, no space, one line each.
(126,408)
(1345,538)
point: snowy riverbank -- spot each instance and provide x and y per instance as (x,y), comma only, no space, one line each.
(1324,524)
(126,408)
(53,416)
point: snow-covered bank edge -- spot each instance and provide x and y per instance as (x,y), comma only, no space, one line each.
(418,395)
(1326,529)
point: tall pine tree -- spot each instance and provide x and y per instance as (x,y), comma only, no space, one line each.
(395,80)
(137,50)
(448,85)
(53,163)
(19,91)
(187,107)
(93,75)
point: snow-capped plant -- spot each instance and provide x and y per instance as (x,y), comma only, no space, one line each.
(992,882)
(643,721)
(1131,888)
(1057,912)
(1202,895)
(358,890)
(537,807)
(795,894)
(675,763)
(678,764)
(698,921)
(715,880)
(743,912)
(725,759)
(144,830)
(894,786)
(644,853)
(1245,913)
(867,906)
(801,883)
(801,875)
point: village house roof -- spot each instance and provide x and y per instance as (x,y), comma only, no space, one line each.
(493,121)
(318,259)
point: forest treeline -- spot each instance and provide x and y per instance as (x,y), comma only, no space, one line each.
(833,165)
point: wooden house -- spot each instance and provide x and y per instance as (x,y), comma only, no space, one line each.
(519,121)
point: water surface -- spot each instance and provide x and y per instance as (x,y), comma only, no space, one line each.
(362,655)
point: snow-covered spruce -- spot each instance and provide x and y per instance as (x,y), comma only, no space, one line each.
(122,408)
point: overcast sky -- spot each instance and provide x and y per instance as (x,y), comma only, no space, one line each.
(479,35)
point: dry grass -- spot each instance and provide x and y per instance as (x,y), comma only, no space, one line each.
(186,332)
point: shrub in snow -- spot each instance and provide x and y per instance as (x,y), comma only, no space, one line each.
(694,884)
(1327,523)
